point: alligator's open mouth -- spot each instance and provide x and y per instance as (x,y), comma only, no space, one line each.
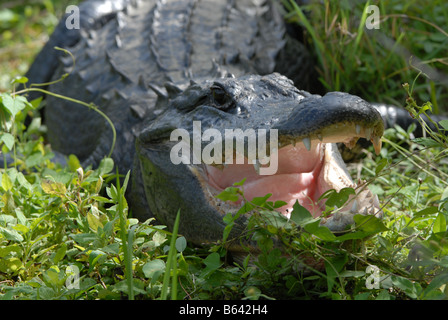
(306,170)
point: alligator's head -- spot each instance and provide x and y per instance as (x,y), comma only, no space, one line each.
(183,161)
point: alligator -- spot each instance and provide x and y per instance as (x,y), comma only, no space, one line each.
(160,67)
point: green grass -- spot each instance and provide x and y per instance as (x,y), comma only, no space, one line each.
(375,63)
(67,232)
(24,27)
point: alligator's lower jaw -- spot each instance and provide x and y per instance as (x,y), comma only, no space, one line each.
(302,176)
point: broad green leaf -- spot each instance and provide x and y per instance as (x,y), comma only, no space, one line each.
(260,201)
(53,277)
(19,79)
(154,269)
(113,248)
(102,199)
(337,199)
(273,220)
(73,163)
(106,166)
(98,185)
(159,238)
(21,228)
(439,223)
(240,183)
(444,194)
(36,102)
(55,188)
(246,207)
(13,105)
(9,205)
(427,142)
(84,239)
(10,265)
(436,284)
(229,194)
(138,286)
(369,224)
(427,106)
(300,215)
(94,256)
(24,182)
(410,288)
(8,139)
(424,212)
(11,234)
(60,253)
(213,261)
(10,250)
(112,192)
(93,221)
(279,203)
(181,244)
(444,124)
(427,211)
(320,231)
(6,182)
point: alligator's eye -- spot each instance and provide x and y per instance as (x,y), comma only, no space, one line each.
(221,99)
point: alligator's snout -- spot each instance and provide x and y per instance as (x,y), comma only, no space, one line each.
(336,117)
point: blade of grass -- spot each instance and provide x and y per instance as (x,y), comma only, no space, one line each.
(126,239)
(320,47)
(361,25)
(171,263)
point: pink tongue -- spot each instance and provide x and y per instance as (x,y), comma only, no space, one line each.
(285,187)
(295,179)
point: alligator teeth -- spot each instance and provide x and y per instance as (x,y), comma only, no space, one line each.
(354,208)
(376,202)
(256,164)
(358,129)
(368,132)
(319,136)
(376,144)
(307,143)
